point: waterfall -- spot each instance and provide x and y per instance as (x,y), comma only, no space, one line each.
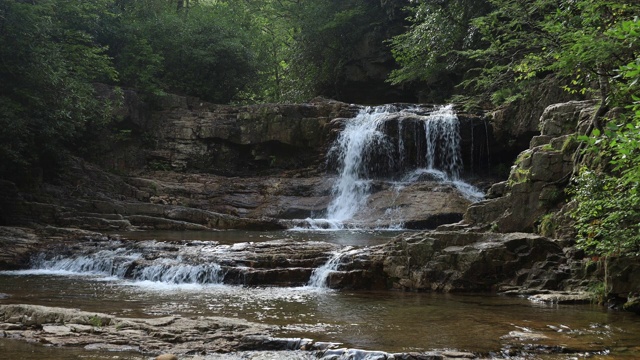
(103,262)
(320,275)
(124,263)
(442,132)
(393,145)
(356,144)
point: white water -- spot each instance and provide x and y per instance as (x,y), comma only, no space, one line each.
(356,141)
(363,141)
(442,131)
(320,276)
(121,263)
(103,262)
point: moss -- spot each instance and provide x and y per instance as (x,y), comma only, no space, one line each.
(570,144)
(523,156)
(95,321)
(547,225)
(519,176)
(547,147)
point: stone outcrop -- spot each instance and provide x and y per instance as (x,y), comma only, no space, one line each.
(175,201)
(536,183)
(181,337)
(222,167)
(515,124)
(273,263)
(241,140)
(463,262)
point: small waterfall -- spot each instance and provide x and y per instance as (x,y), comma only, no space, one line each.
(126,263)
(171,272)
(103,262)
(320,276)
(442,132)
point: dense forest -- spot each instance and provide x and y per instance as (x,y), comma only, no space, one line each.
(480,54)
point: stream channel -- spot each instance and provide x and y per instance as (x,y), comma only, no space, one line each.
(386,321)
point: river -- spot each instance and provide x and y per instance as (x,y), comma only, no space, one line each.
(387,321)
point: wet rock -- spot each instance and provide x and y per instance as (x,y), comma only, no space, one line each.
(563,298)
(275,263)
(423,205)
(16,247)
(458,355)
(524,336)
(270,343)
(230,140)
(632,304)
(453,261)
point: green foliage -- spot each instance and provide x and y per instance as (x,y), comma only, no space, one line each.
(430,51)
(527,40)
(48,61)
(547,225)
(199,49)
(325,38)
(95,321)
(608,212)
(598,292)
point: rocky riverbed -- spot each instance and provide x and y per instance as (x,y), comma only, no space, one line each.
(174,334)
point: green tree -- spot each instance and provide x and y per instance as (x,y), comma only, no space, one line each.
(201,49)
(529,40)
(429,53)
(326,38)
(48,61)
(608,199)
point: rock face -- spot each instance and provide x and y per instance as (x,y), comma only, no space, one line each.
(273,263)
(17,245)
(232,140)
(237,167)
(515,124)
(536,182)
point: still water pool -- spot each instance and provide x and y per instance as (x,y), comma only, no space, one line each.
(387,321)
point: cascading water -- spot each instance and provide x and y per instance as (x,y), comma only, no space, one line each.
(442,133)
(361,137)
(319,277)
(124,263)
(398,145)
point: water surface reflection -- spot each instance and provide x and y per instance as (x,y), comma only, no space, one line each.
(389,321)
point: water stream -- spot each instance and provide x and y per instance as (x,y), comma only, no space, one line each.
(386,321)
(368,148)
